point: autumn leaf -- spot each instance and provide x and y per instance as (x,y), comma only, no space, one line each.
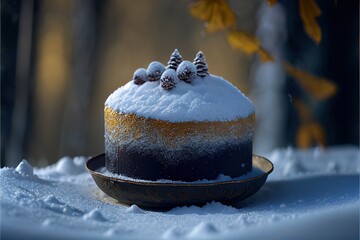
(265,55)
(318,87)
(244,41)
(271,2)
(216,13)
(303,110)
(249,44)
(309,11)
(310,132)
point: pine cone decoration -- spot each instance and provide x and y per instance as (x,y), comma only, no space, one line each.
(201,65)
(186,71)
(175,60)
(168,79)
(154,71)
(139,76)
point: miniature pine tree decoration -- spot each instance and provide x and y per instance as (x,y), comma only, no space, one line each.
(175,60)
(201,65)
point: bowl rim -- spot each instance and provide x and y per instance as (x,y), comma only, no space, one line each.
(255,158)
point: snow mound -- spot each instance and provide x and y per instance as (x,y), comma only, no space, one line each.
(69,166)
(52,200)
(94,215)
(66,170)
(53,204)
(25,169)
(274,218)
(171,234)
(290,163)
(206,99)
(209,208)
(202,230)
(48,222)
(135,209)
(245,221)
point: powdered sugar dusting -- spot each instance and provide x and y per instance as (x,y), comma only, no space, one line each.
(206,99)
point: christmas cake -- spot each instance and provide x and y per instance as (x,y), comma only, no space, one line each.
(178,122)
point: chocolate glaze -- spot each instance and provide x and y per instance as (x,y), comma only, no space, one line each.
(232,160)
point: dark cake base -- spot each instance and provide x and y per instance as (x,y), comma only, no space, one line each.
(233,161)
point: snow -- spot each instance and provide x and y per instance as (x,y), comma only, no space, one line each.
(168,79)
(186,71)
(140,74)
(135,209)
(154,70)
(210,98)
(175,60)
(94,215)
(201,65)
(311,194)
(25,169)
(221,178)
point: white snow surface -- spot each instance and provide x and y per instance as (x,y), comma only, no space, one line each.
(312,194)
(211,98)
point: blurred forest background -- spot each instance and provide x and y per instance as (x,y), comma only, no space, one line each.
(60,59)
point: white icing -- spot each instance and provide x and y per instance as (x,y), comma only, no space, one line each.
(206,99)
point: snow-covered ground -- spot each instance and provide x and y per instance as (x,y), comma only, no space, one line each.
(311,194)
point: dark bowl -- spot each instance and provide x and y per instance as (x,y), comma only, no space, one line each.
(157,195)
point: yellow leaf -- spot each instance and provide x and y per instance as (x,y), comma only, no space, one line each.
(309,134)
(271,2)
(318,87)
(309,11)
(217,14)
(249,44)
(265,55)
(303,111)
(201,10)
(244,41)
